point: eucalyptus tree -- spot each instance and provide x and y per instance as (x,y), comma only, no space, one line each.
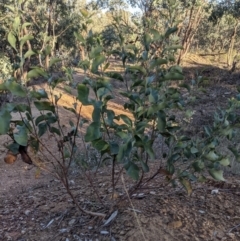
(230,10)
(47,23)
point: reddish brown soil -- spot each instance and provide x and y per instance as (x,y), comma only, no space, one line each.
(36,207)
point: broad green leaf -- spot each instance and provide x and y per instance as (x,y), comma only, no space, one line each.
(52,129)
(15,88)
(133,171)
(96,115)
(198,165)
(12,40)
(137,68)
(13,147)
(208,130)
(173,76)
(186,86)
(157,62)
(5,119)
(44,105)
(26,25)
(16,23)
(10,7)
(36,72)
(115,75)
(212,156)
(194,150)
(124,150)
(170,31)
(93,132)
(156,35)
(47,50)
(187,185)
(114,148)
(39,94)
(106,66)
(235,153)
(22,108)
(202,179)
(149,149)
(147,40)
(123,135)
(42,129)
(145,166)
(49,118)
(126,119)
(24,39)
(95,51)
(83,92)
(224,162)
(29,53)
(54,61)
(21,137)
(96,62)
(100,145)
(84,12)
(161,121)
(217,174)
(79,37)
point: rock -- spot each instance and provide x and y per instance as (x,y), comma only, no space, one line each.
(175,224)
(141,195)
(27,212)
(104,232)
(214,191)
(63,230)
(71,222)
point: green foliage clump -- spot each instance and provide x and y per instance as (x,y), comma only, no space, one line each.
(151,96)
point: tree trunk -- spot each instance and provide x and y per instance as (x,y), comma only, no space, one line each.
(190,31)
(231,45)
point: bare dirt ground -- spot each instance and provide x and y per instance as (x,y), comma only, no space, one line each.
(34,207)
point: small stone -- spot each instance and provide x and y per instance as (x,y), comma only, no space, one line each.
(201,211)
(153,193)
(141,195)
(175,224)
(71,222)
(104,232)
(63,230)
(214,191)
(27,212)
